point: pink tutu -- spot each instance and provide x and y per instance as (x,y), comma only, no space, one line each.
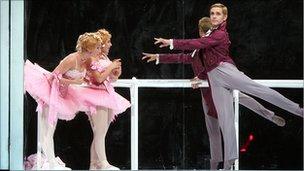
(64,108)
(91,97)
(36,82)
(43,86)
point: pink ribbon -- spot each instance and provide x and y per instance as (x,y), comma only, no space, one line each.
(40,105)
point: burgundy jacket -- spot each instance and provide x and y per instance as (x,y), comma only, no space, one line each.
(215,46)
(199,71)
(195,61)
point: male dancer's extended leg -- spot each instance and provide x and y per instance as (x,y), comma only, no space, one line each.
(255,106)
(232,78)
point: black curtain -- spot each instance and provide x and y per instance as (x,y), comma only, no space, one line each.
(267,43)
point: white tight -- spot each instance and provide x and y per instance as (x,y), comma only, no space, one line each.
(100,125)
(46,134)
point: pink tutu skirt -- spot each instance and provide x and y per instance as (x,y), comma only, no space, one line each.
(36,82)
(92,97)
(43,86)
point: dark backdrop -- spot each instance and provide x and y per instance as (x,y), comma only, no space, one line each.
(267,41)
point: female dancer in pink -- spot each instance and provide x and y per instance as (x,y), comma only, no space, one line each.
(55,98)
(100,101)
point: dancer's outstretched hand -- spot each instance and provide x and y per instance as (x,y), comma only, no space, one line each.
(162,42)
(149,57)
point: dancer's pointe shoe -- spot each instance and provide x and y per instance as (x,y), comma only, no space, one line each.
(278,120)
(58,164)
(44,166)
(110,167)
(106,166)
(93,166)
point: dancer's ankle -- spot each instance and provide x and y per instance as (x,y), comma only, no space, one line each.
(93,165)
(103,164)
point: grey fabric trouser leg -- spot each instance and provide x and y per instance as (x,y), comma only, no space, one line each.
(223,101)
(213,128)
(255,106)
(214,134)
(227,77)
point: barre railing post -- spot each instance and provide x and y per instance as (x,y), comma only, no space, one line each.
(134,124)
(236,124)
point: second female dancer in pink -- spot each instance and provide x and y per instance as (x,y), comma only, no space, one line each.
(100,101)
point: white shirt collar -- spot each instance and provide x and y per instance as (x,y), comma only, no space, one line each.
(208,32)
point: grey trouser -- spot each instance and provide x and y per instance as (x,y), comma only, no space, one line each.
(213,127)
(214,134)
(227,77)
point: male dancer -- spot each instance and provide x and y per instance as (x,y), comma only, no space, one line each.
(223,77)
(212,124)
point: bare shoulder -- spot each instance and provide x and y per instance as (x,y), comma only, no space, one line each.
(70,59)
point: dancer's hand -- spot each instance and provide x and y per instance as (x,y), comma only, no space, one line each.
(50,78)
(149,57)
(162,42)
(115,64)
(116,72)
(64,81)
(195,82)
(79,81)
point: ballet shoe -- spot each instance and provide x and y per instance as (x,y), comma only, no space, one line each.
(106,166)
(278,120)
(58,164)
(110,167)
(93,166)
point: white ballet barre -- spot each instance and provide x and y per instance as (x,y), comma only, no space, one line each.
(134,84)
(185,83)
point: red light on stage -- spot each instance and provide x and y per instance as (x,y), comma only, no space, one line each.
(251,137)
(244,148)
